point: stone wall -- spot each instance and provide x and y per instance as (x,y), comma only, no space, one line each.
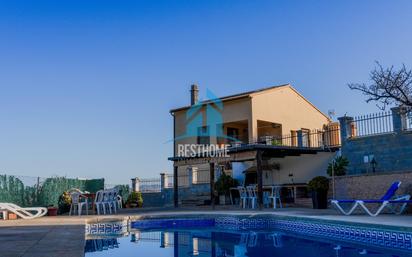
(158,199)
(391,151)
(370,186)
(198,192)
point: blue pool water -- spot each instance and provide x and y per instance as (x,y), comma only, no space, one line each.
(217,238)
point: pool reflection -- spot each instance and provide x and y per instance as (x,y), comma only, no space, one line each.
(220,244)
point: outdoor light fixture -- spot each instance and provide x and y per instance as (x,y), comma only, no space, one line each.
(373,164)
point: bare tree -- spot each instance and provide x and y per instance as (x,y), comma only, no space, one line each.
(388,87)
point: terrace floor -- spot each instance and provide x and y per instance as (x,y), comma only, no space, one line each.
(65,235)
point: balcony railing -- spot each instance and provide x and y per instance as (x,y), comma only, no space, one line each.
(326,138)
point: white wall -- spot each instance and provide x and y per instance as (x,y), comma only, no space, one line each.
(304,168)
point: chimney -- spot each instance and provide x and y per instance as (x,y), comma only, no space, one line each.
(194,94)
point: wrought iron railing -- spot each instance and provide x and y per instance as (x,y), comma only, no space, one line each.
(371,124)
(325,138)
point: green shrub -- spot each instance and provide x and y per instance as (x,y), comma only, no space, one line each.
(135,198)
(318,184)
(339,165)
(64,203)
(224,183)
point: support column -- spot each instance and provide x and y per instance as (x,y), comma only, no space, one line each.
(212,183)
(259,178)
(252,130)
(175,187)
(135,184)
(163,182)
(346,130)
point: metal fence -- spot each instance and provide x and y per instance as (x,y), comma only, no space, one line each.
(150,185)
(371,124)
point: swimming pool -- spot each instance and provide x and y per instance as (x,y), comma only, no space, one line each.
(237,236)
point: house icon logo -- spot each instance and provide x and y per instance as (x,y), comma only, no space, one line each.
(204,120)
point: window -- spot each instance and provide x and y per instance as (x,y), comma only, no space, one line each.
(203,137)
(233,133)
(306,137)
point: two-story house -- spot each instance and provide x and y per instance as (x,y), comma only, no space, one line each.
(276,123)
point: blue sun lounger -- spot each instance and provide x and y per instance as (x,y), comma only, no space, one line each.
(387,201)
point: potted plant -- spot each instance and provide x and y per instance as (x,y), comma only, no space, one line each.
(134,200)
(64,203)
(51,210)
(319,187)
(223,185)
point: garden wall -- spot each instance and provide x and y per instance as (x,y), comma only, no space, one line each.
(370,186)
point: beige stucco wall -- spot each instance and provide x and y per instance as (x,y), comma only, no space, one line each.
(236,110)
(285,106)
(281,105)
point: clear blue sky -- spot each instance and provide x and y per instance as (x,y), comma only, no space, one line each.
(86,86)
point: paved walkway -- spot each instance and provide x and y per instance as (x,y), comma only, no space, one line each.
(64,236)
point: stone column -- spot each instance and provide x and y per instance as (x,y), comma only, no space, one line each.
(399,118)
(345,128)
(135,184)
(163,181)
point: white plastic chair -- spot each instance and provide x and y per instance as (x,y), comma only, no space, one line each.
(118,199)
(275,196)
(243,196)
(266,199)
(252,196)
(98,202)
(77,204)
(110,200)
(113,203)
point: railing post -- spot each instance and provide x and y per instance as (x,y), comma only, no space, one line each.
(300,138)
(135,184)
(163,181)
(345,128)
(399,119)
